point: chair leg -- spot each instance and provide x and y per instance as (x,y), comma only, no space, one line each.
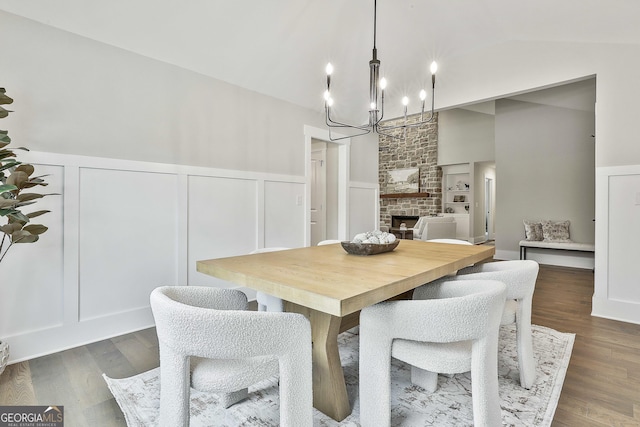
(375,378)
(229,399)
(426,379)
(174,388)
(484,383)
(524,340)
(296,390)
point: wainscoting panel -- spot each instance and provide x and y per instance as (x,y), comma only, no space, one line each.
(283,214)
(120,228)
(223,221)
(127,238)
(364,213)
(616,293)
(31,274)
(624,194)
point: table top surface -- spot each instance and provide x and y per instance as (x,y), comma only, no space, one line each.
(327,279)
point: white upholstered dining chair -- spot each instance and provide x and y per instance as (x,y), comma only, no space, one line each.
(520,278)
(451,241)
(265,301)
(453,328)
(209,341)
(328,242)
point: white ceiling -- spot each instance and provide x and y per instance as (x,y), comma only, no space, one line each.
(280,47)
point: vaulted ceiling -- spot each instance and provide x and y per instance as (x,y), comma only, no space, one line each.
(280,47)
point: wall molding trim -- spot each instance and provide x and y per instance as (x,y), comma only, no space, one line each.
(615,262)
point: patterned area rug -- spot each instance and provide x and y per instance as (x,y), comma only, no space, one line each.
(450,405)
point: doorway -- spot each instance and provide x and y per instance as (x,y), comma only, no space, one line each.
(337,184)
(324,191)
(488,208)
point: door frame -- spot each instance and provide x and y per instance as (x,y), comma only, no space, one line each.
(344,147)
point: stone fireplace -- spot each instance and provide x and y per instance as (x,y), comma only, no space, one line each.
(418,148)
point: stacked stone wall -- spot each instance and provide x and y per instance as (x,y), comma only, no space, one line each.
(412,148)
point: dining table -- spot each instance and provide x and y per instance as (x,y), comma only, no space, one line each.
(330,287)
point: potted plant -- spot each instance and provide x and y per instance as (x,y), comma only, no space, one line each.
(15,178)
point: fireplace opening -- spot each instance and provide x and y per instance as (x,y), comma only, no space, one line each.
(408,220)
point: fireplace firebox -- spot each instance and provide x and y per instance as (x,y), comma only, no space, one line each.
(408,220)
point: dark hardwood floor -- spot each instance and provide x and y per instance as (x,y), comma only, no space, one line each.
(602,386)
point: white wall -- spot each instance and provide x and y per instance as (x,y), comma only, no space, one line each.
(78,96)
(465,137)
(518,67)
(158,167)
(545,169)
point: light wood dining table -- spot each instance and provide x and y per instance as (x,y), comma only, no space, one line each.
(330,287)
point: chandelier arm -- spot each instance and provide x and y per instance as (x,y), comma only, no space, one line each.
(407,125)
(388,135)
(332,123)
(347,136)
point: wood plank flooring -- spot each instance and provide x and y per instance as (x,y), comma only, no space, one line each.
(602,386)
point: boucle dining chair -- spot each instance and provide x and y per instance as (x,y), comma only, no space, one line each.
(451,241)
(452,329)
(210,342)
(520,278)
(265,301)
(328,242)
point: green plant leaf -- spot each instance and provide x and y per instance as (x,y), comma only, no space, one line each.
(17,178)
(37,213)
(6,212)
(35,181)
(4,113)
(18,216)
(4,98)
(8,165)
(35,228)
(22,236)
(21,204)
(26,168)
(25,197)
(4,154)
(11,228)
(7,203)
(7,187)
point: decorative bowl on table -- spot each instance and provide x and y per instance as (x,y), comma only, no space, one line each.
(368,248)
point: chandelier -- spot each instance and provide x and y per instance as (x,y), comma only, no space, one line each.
(376,93)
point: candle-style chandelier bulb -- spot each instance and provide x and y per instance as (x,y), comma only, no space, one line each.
(423,95)
(383,83)
(405,101)
(329,68)
(434,67)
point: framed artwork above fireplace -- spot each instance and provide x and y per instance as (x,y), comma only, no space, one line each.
(399,181)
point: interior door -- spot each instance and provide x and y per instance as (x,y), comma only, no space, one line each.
(318,192)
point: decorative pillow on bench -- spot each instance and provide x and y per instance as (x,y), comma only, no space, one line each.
(555,231)
(533,230)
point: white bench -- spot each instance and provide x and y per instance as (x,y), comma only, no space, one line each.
(565,246)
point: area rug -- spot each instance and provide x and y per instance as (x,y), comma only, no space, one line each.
(450,405)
